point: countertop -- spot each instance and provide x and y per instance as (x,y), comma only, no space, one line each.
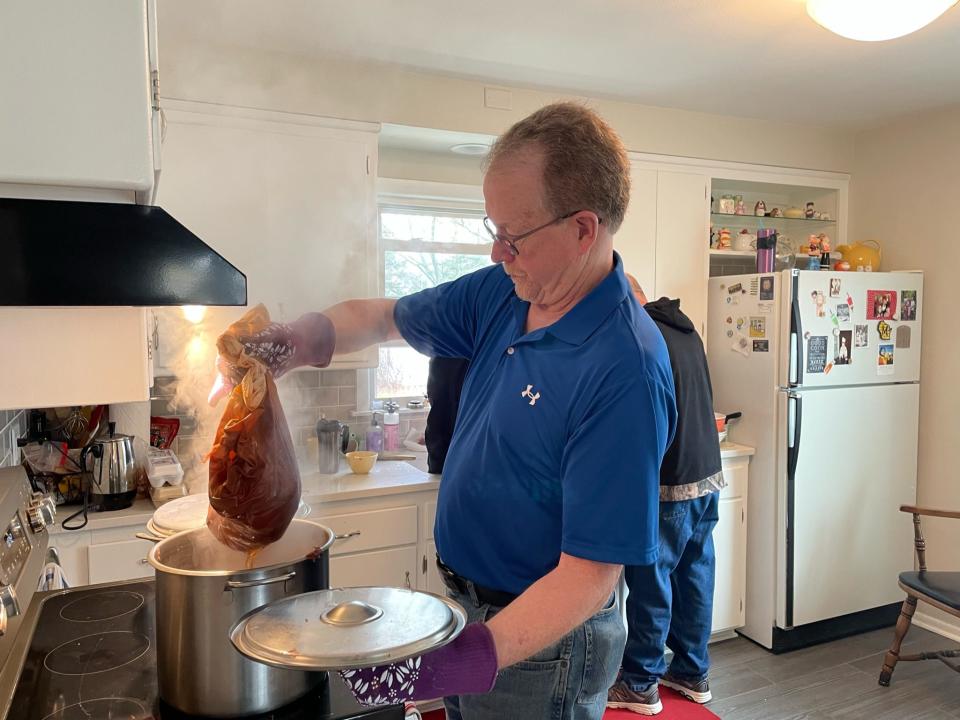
(387,478)
(732,450)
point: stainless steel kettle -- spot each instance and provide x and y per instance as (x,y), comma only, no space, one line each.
(113,484)
(332,439)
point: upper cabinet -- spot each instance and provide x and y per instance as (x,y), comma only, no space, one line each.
(290,199)
(78,107)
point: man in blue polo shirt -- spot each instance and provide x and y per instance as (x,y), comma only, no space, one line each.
(551,481)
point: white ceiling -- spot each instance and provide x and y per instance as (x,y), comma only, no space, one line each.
(753,58)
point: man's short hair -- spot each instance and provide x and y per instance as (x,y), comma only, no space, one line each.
(585,163)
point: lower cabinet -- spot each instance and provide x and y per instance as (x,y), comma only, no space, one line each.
(431,575)
(123,560)
(730,546)
(396,567)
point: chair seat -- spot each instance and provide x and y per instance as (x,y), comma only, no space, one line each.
(944,587)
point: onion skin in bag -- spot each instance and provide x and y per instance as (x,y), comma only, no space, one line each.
(254,483)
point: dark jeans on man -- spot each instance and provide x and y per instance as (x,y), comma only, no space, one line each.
(672,602)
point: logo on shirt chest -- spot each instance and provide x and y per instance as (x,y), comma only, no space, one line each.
(529,393)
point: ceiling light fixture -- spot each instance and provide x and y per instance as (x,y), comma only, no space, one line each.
(470,149)
(872,20)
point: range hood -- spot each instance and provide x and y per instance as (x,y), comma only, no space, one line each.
(68,253)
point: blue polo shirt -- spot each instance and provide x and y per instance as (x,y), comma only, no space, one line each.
(560,431)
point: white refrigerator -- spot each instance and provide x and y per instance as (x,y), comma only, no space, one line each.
(825,367)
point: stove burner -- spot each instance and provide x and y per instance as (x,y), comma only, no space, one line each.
(96,653)
(102,709)
(101,606)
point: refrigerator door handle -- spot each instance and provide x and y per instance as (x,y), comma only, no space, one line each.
(794,427)
(796,337)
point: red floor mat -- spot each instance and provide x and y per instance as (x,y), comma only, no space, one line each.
(675,707)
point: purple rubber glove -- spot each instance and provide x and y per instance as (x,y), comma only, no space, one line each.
(308,340)
(466,666)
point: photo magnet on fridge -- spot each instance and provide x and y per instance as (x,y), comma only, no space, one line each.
(885,360)
(819,300)
(816,353)
(843,313)
(761,346)
(881,304)
(861,335)
(758,327)
(766,287)
(908,304)
(844,346)
(834,287)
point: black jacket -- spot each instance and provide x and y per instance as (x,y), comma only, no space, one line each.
(691,466)
(444,383)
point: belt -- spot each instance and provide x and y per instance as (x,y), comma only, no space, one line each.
(479,594)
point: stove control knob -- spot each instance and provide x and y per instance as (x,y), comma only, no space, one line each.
(9,606)
(41,512)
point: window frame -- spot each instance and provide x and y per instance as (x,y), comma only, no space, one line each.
(426,197)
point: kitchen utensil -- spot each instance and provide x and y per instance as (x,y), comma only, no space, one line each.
(332,439)
(113,472)
(385,456)
(361,461)
(75,424)
(348,628)
(203,589)
(864,255)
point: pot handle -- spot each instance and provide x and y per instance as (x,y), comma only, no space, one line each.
(239,584)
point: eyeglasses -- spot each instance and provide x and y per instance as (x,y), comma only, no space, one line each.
(511,241)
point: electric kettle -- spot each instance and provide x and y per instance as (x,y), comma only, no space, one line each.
(113,482)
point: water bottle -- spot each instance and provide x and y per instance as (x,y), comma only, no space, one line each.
(766,250)
(375,436)
(391,426)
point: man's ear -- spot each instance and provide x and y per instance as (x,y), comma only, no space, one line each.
(588,227)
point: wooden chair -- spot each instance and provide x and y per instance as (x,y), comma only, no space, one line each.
(940,589)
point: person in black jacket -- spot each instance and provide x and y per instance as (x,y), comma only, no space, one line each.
(671,603)
(444,383)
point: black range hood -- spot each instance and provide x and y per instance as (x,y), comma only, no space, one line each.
(66,253)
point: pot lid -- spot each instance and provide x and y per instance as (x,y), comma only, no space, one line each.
(348,628)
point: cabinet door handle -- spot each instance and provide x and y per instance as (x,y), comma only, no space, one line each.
(346,535)
(406,580)
(424,564)
(143,561)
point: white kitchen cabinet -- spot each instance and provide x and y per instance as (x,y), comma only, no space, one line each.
(73,356)
(361,531)
(431,574)
(288,199)
(77,106)
(122,560)
(664,235)
(396,567)
(730,546)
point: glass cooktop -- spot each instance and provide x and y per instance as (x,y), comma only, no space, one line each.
(93,657)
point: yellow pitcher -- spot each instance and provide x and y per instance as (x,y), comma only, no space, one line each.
(862,255)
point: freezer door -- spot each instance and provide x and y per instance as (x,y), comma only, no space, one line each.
(851,462)
(857,328)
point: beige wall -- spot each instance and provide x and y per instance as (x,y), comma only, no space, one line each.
(407,164)
(905,192)
(386,93)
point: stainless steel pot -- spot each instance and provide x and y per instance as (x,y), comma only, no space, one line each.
(203,589)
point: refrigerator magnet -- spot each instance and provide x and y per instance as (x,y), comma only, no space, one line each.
(765,307)
(903,337)
(881,304)
(834,287)
(884,330)
(843,313)
(844,348)
(816,353)
(729,333)
(758,327)
(766,287)
(819,300)
(741,345)
(861,335)
(849,301)
(885,360)
(908,305)
(761,346)
(740,322)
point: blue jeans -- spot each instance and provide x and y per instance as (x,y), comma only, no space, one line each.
(672,602)
(565,681)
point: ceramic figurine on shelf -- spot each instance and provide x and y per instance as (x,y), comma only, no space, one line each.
(809,212)
(776,212)
(739,208)
(813,252)
(723,239)
(760,209)
(824,251)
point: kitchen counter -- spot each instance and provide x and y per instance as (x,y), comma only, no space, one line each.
(387,478)
(732,450)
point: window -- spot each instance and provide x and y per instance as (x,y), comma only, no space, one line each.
(429,234)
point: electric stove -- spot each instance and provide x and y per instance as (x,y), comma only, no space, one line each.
(90,653)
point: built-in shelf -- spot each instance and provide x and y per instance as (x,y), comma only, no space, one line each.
(733,253)
(733,219)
